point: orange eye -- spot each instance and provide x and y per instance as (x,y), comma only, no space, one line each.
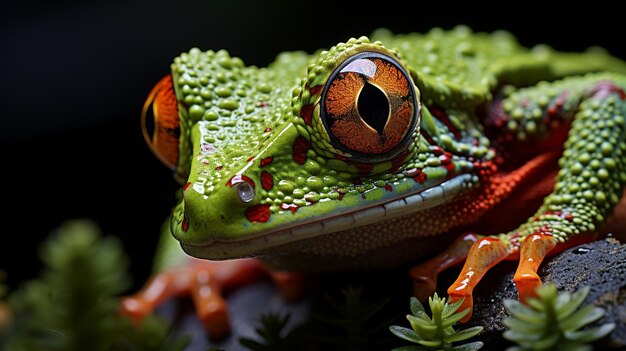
(163,131)
(369,106)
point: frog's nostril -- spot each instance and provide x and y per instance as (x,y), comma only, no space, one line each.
(162,131)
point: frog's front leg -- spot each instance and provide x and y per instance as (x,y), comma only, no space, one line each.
(205,282)
(589,183)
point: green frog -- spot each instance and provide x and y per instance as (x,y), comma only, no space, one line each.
(444,148)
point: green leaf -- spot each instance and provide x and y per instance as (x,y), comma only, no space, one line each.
(430,343)
(416,306)
(473,346)
(449,309)
(590,335)
(455,318)
(537,304)
(523,312)
(548,341)
(582,317)
(569,347)
(576,299)
(518,337)
(420,324)
(523,326)
(405,333)
(463,334)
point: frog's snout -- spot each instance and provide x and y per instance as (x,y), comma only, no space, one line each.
(162,131)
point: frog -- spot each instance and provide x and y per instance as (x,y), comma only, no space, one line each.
(448,148)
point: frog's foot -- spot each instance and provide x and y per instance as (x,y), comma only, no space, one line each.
(424,275)
(205,281)
(534,249)
(484,254)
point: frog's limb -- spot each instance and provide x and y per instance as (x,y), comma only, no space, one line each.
(588,186)
(204,281)
(532,252)
(484,254)
(425,275)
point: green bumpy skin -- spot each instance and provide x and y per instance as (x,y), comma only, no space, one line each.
(255,130)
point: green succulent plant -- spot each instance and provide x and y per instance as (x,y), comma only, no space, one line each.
(436,332)
(553,321)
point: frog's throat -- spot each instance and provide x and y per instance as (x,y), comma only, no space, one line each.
(445,192)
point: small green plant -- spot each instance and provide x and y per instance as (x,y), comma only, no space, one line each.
(436,333)
(273,335)
(552,321)
(75,305)
(354,322)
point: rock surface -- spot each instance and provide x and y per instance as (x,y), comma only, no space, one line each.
(600,265)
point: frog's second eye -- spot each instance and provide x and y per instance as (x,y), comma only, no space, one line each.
(369,106)
(163,131)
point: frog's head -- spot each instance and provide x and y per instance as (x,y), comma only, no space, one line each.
(304,147)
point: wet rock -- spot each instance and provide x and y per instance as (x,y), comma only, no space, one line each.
(600,265)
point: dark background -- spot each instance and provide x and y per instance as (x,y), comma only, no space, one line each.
(75,75)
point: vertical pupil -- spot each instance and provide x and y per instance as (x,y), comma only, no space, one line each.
(373,107)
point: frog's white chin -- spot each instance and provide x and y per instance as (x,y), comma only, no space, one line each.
(252,246)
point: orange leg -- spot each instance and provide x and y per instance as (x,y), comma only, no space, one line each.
(534,249)
(484,254)
(424,275)
(204,281)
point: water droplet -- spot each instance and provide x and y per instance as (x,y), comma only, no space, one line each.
(581,250)
(245,192)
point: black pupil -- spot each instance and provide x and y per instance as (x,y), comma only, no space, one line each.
(373,107)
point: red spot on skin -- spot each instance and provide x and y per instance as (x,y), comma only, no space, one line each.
(250,158)
(316,89)
(569,217)
(606,88)
(258,213)
(219,168)
(446,162)
(291,207)
(268,129)
(238,178)
(437,150)
(185,224)
(266,161)
(186,186)
(388,187)
(300,147)
(515,239)
(263,104)
(267,181)
(306,112)
(419,176)
(442,116)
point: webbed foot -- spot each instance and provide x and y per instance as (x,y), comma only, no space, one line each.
(205,281)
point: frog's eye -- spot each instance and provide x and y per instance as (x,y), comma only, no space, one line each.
(369,106)
(162,131)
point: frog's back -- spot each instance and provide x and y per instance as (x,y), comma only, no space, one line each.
(461,67)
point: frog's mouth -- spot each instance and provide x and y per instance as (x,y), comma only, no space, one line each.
(436,195)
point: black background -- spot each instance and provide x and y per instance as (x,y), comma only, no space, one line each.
(75,75)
